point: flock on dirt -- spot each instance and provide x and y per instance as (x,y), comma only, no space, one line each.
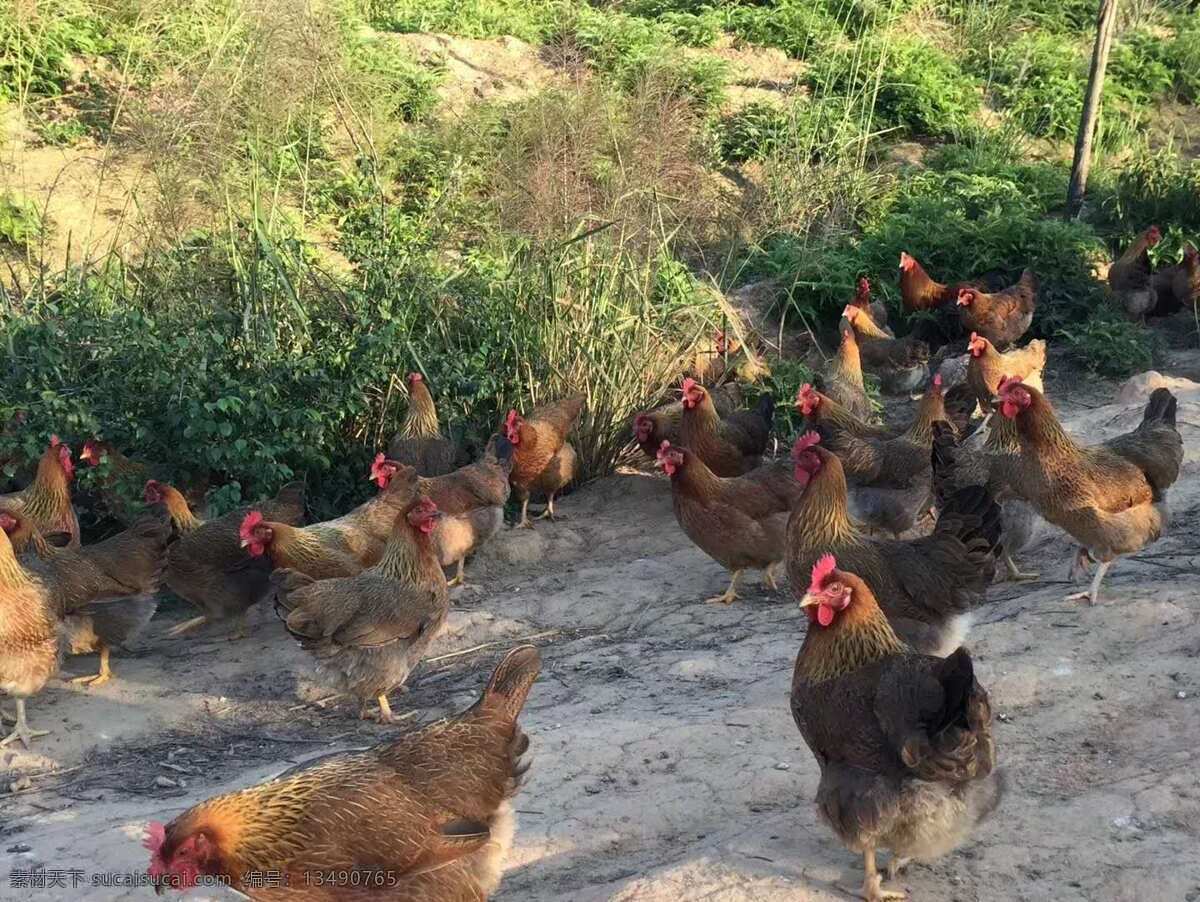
(889,538)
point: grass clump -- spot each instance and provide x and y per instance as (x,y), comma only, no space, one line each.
(1108,345)
(20,222)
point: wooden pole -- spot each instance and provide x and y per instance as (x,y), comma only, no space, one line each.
(1106,21)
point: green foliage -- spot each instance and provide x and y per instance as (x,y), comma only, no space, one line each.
(1040,79)
(783,384)
(36,42)
(797,28)
(1141,67)
(530,20)
(1152,187)
(20,222)
(1108,345)
(1185,53)
(410,87)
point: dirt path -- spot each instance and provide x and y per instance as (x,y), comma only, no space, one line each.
(666,765)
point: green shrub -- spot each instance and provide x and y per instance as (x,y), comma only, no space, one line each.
(1106,344)
(1185,54)
(1141,67)
(410,86)
(530,20)
(797,28)
(20,222)
(36,42)
(1040,79)
(1157,186)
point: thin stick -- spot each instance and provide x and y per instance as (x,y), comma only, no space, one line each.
(467,651)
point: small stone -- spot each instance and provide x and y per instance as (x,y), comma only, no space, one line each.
(1003,718)
(1098,696)
(591,789)
(783,765)
(1181,694)
(19,784)
(165,783)
(19,848)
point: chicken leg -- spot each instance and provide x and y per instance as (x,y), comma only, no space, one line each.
(22,730)
(872,888)
(1014,573)
(97,679)
(730,595)
(186,627)
(549,511)
(769,576)
(524,522)
(458,579)
(1093,594)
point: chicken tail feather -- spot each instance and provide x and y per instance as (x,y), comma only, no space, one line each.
(509,686)
(1161,408)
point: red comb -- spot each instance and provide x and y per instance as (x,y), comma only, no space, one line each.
(156,835)
(512,418)
(824,566)
(250,521)
(937,380)
(687,384)
(805,442)
(663,449)
(55,441)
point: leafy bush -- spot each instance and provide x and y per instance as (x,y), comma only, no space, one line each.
(530,20)
(1106,344)
(1040,79)
(1185,53)
(20,222)
(36,41)
(1141,67)
(796,28)
(1152,187)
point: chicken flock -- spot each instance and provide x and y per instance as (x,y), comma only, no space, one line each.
(889,537)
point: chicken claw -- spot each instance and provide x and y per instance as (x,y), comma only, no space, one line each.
(524,522)
(1014,573)
(872,889)
(186,627)
(97,679)
(730,595)
(22,730)
(896,866)
(1092,595)
(458,579)
(769,577)
(548,513)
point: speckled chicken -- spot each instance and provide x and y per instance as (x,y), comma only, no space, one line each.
(370,630)
(419,443)
(427,816)
(903,740)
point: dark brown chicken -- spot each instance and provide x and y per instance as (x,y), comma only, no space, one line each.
(903,740)
(740,522)
(47,500)
(843,378)
(1131,275)
(926,586)
(206,565)
(653,427)
(819,409)
(370,630)
(425,817)
(544,461)
(1003,317)
(1177,287)
(104,592)
(471,499)
(730,446)
(419,443)
(1111,497)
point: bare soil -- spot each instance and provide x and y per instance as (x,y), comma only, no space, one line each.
(666,764)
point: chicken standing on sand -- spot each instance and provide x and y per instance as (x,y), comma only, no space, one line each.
(424,817)
(544,462)
(903,740)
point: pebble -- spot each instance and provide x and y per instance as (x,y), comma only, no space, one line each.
(783,765)
(165,782)
(1181,694)
(20,847)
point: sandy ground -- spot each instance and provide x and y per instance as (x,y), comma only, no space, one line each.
(666,765)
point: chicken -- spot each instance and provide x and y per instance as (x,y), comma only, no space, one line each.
(1131,276)
(104,592)
(653,427)
(890,478)
(877,310)
(1111,497)
(29,639)
(821,410)
(918,291)
(206,565)
(471,499)
(730,446)
(46,501)
(740,522)
(543,461)
(419,443)
(926,586)
(987,366)
(368,631)
(900,363)
(843,378)
(332,548)
(1176,287)
(1003,317)
(903,740)
(427,813)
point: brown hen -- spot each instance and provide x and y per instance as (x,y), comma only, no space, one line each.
(729,446)
(46,501)
(543,461)
(419,443)
(1002,317)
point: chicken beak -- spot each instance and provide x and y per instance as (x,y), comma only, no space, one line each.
(809,600)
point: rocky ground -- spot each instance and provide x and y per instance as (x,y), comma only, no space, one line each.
(665,761)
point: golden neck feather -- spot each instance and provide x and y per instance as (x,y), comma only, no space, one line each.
(421,419)
(859,636)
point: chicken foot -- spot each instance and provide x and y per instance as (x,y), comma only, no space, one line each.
(896,866)
(524,522)
(872,889)
(186,627)
(1093,594)
(458,579)
(730,595)
(1014,573)
(548,513)
(22,730)
(769,576)
(97,679)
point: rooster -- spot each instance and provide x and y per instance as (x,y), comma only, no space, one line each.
(332,548)
(1111,497)
(206,565)
(903,740)
(47,500)
(730,446)
(29,640)
(368,631)
(1003,317)
(740,522)
(927,586)
(900,363)
(1178,286)
(419,443)
(471,499)
(918,291)
(103,592)
(428,813)
(544,462)
(1131,276)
